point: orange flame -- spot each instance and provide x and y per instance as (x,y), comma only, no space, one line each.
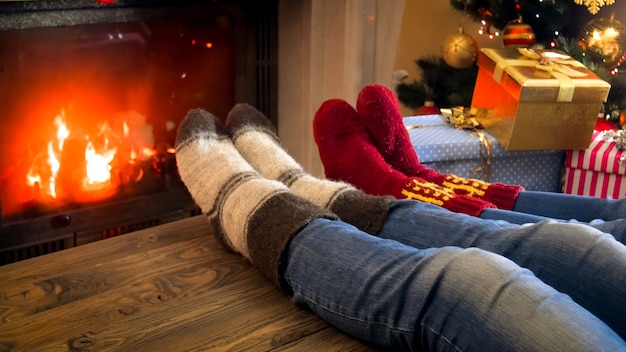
(98,166)
(44,172)
(34,177)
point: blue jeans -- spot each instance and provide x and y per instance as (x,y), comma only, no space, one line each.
(567,206)
(617,228)
(606,215)
(439,280)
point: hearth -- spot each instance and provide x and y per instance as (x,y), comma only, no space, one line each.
(91,94)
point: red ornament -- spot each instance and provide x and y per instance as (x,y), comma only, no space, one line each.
(604,125)
(429,108)
(518,34)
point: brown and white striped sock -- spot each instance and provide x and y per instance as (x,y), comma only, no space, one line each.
(251,215)
(256,139)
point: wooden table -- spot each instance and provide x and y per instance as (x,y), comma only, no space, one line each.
(166,288)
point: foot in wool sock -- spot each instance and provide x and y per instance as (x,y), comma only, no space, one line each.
(349,155)
(256,139)
(379,110)
(251,215)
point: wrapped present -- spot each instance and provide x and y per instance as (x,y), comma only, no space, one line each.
(462,152)
(598,171)
(531,100)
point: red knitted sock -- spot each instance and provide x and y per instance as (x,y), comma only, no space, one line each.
(348,154)
(379,110)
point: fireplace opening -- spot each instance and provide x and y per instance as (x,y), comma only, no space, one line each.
(91,95)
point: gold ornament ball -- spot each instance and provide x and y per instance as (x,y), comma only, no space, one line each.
(602,39)
(460,50)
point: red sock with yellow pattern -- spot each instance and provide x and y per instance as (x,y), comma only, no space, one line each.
(380,113)
(348,155)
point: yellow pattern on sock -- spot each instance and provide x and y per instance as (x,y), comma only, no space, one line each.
(473,188)
(427,192)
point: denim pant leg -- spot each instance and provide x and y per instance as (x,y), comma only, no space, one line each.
(439,299)
(617,228)
(585,263)
(568,206)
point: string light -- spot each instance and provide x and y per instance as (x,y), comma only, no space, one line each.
(485,24)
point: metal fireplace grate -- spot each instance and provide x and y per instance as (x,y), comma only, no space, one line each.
(47,234)
(33,251)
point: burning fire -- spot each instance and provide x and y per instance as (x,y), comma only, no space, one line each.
(34,177)
(78,166)
(98,165)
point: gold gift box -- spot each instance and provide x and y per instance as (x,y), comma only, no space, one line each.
(531,100)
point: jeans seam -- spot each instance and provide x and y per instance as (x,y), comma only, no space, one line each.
(379,323)
(443,337)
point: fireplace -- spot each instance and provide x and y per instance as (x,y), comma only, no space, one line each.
(91,94)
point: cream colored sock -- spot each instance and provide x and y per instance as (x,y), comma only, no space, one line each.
(251,215)
(257,141)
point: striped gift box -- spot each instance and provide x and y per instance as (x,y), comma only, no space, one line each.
(596,171)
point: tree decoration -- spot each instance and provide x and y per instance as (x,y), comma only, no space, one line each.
(460,50)
(518,34)
(602,39)
(594,5)
(485,24)
(545,17)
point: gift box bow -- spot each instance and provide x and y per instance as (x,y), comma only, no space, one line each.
(603,155)
(548,64)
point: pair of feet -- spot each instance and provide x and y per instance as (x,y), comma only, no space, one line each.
(257,196)
(370,148)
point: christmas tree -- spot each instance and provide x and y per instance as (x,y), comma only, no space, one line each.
(565,25)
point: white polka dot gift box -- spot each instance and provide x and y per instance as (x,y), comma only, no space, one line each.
(453,151)
(598,171)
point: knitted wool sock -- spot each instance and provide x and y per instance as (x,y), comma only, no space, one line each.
(256,139)
(379,110)
(251,215)
(349,155)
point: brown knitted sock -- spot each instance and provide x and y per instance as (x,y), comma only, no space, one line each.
(256,139)
(251,215)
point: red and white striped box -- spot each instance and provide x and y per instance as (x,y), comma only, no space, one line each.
(596,171)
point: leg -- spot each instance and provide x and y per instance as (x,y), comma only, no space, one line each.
(617,228)
(513,217)
(575,259)
(251,215)
(440,299)
(567,206)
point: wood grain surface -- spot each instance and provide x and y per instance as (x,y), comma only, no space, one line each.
(166,288)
